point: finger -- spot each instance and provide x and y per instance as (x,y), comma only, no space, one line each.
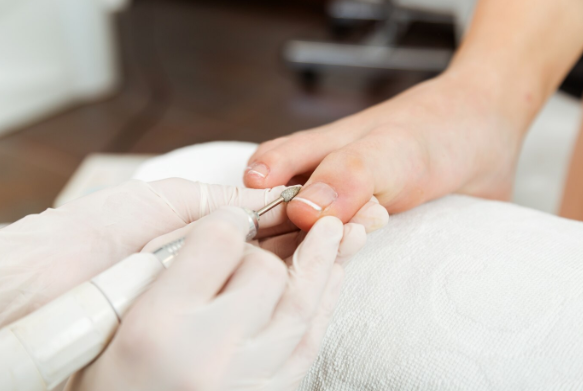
(257,286)
(301,152)
(353,240)
(346,180)
(295,368)
(211,252)
(310,270)
(309,276)
(372,216)
(193,200)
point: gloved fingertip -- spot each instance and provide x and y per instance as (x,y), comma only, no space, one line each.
(330,228)
(353,230)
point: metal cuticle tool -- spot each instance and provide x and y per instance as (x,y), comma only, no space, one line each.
(167,253)
(286,196)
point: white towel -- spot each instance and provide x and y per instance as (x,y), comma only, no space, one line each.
(460,294)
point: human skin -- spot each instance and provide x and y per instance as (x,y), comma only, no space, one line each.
(460,132)
(572,203)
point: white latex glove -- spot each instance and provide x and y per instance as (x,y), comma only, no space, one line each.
(228,315)
(45,255)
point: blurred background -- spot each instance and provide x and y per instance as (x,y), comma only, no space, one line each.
(113,82)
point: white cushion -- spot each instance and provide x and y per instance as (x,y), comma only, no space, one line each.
(460,294)
(220,162)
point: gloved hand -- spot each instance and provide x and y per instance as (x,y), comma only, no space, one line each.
(45,255)
(228,315)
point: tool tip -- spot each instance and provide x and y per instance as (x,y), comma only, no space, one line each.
(289,193)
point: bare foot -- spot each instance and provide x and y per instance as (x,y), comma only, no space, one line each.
(440,137)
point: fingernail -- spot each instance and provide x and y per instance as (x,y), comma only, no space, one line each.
(258,169)
(317,195)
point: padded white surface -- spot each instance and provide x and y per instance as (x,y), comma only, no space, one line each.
(460,294)
(221,163)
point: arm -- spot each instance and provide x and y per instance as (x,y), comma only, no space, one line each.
(518,52)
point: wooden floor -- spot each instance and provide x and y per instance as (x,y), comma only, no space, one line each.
(193,71)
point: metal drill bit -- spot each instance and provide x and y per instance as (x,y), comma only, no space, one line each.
(286,196)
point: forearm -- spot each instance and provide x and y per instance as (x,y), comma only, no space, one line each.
(517,52)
